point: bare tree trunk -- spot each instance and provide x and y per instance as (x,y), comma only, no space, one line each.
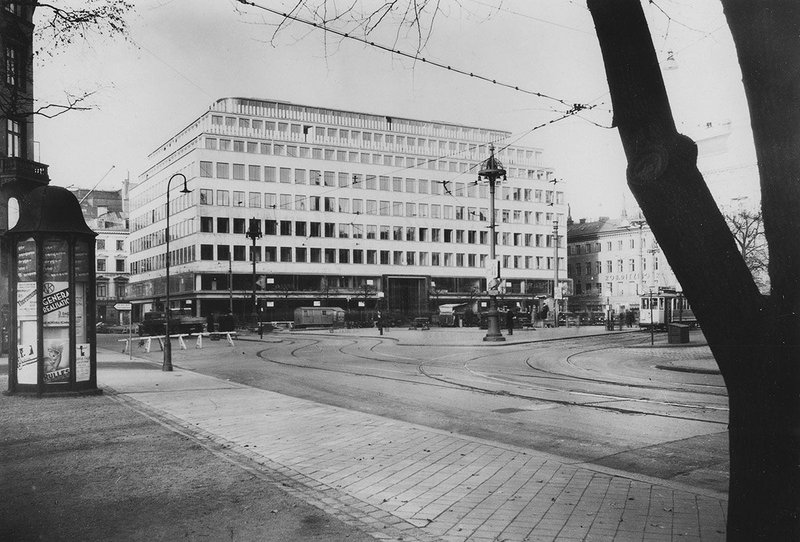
(754,339)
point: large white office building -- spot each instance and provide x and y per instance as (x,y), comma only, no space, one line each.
(356,210)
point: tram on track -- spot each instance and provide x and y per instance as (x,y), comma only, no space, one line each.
(659,309)
(318,317)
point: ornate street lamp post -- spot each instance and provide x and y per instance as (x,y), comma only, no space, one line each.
(254,233)
(491,170)
(167,365)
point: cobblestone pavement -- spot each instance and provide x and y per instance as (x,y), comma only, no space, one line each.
(403,481)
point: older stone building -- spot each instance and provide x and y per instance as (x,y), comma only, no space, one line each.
(19,172)
(612,263)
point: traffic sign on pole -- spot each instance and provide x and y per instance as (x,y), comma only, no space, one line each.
(122,306)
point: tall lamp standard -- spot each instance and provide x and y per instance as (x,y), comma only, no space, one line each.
(491,170)
(556,288)
(167,365)
(254,233)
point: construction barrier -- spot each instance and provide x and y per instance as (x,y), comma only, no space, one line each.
(146,343)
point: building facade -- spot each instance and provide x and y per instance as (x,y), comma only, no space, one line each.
(19,173)
(106,212)
(612,262)
(355,210)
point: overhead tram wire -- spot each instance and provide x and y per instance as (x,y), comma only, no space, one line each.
(411,56)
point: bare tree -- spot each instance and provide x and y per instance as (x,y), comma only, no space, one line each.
(57,26)
(747,227)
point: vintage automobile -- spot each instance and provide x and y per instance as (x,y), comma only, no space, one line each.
(180,322)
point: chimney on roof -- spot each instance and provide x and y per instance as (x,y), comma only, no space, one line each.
(582,221)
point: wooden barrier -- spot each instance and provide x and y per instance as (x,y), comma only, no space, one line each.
(228,337)
(146,343)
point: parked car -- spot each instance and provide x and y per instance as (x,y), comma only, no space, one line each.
(180,322)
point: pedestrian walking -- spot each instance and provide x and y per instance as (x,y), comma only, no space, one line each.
(510,321)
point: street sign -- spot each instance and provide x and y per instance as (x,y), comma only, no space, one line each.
(123,306)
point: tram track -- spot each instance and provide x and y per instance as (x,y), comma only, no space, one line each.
(528,391)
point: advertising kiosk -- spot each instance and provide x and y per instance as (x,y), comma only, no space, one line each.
(52,338)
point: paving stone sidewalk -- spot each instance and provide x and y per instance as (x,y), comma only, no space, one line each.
(409,482)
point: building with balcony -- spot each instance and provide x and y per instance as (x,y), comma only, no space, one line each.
(612,262)
(357,210)
(19,173)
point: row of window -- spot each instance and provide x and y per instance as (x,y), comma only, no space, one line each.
(586,267)
(279,110)
(100,244)
(341,256)
(596,246)
(271,174)
(358,256)
(102,265)
(357,206)
(597,289)
(357,156)
(372,231)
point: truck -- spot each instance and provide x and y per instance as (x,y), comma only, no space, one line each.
(181,321)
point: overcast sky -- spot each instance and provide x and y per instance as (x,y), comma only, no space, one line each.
(182,55)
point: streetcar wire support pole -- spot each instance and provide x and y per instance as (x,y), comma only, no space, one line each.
(556,287)
(492,170)
(167,365)
(652,326)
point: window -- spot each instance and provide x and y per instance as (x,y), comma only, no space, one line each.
(206,169)
(101,244)
(254,173)
(269,174)
(285,175)
(206,252)
(120,268)
(238,225)
(12,68)
(206,224)
(206,196)
(14,137)
(101,264)
(120,244)
(238,172)
(223,225)
(238,198)
(254,199)
(102,289)
(222,170)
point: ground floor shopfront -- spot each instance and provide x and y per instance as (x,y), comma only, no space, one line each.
(400,298)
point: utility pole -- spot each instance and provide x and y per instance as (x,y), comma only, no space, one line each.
(556,287)
(230,284)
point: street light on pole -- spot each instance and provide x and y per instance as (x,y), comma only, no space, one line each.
(556,287)
(167,365)
(254,233)
(491,170)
